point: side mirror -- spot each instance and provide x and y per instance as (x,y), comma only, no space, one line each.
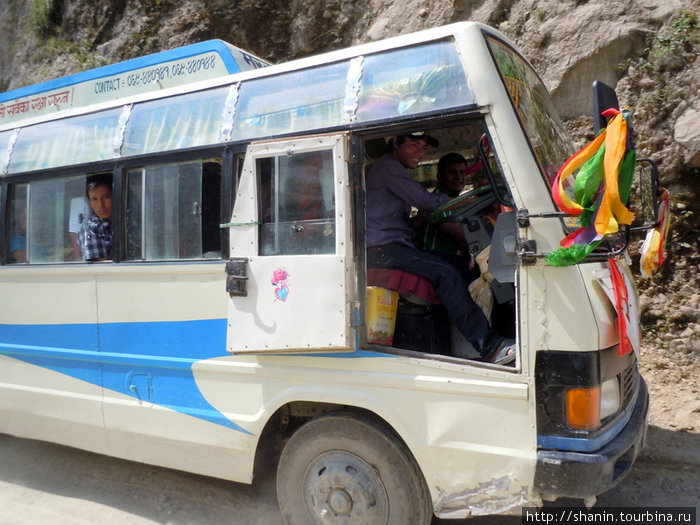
(649,192)
(604,97)
(503,257)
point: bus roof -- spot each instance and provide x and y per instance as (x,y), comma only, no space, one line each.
(399,77)
(175,67)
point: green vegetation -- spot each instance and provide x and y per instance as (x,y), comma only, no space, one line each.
(53,47)
(680,35)
(675,40)
(43,17)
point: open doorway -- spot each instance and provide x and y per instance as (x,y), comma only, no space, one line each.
(459,164)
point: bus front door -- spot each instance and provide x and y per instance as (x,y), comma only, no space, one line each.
(290,275)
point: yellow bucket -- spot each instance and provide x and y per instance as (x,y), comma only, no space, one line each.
(381,315)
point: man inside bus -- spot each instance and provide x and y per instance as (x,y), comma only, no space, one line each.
(305,189)
(391,192)
(18,239)
(96,235)
(447,238)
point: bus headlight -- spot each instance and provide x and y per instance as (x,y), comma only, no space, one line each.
(609,397)
(587,407)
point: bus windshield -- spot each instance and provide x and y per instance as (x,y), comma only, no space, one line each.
(539,118)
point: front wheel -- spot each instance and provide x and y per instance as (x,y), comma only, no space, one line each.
(344,469)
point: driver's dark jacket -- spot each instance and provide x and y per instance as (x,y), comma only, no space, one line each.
(391,191)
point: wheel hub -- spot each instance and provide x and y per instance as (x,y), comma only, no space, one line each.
(342,488)
(339,501)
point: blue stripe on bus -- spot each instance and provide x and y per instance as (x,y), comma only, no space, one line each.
(147,361)
(218,46)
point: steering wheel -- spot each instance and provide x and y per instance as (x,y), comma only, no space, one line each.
(464,206)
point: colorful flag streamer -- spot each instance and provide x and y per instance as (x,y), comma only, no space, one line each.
(652,252)
(601,190)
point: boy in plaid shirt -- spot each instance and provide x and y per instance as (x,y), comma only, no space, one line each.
(96,235)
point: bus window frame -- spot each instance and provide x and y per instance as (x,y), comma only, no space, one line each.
(7,196)
(491,37)
(4,224)
(118,167)
(226,189)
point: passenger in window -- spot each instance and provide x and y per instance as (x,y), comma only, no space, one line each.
(313,231)
(18,238)
(22,250)
(391,192)
(306,191)
(96,235)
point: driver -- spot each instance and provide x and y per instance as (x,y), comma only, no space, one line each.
(447,238)
(391,191)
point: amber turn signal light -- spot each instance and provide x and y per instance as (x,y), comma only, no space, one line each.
(583,408)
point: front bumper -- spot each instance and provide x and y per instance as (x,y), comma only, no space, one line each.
(581,475)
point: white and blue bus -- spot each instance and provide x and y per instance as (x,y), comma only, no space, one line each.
(226,325)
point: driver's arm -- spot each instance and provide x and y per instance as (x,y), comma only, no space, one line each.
(454,230)
(461,204)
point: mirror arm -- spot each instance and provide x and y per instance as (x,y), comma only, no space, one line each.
(619,250)
(643,228)
(523,216)
(527,252)
(527,249)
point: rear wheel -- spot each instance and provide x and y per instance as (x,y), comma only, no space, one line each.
(343,469)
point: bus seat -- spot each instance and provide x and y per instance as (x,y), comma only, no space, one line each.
(410,287)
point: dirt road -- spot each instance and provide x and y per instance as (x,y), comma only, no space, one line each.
(41,483)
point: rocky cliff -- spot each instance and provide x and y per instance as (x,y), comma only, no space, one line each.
(646,48)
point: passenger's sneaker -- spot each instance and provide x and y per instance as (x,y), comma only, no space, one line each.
(504,353)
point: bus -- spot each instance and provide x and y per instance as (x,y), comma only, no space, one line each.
(226,326)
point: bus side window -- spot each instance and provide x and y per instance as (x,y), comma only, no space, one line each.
(172,211)
(297,207)
(41,221)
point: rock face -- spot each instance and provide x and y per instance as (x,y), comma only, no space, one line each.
(686,132)
(647,49)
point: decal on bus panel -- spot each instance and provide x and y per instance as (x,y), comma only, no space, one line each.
(280,279)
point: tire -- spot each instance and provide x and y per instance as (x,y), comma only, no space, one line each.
(344,469)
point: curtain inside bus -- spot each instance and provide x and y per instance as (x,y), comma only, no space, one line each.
(174,123)
(76,140)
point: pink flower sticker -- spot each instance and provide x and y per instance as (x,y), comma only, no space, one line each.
(280,279)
